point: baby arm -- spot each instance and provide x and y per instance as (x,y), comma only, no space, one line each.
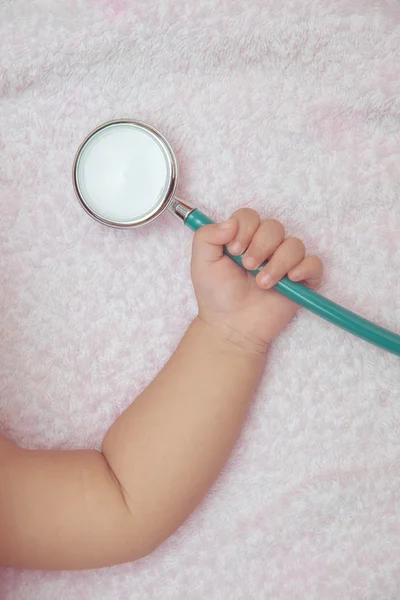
(85,509)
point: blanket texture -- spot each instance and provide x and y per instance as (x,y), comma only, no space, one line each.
(292,108)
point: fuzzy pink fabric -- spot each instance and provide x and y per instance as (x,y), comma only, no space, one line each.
(292,108)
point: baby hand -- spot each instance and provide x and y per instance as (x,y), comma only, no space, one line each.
(242,307)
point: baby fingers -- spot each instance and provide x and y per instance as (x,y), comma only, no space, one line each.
(286,258)
(309,270)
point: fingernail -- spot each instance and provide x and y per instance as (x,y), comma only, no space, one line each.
(249,262)
(265,279)
(235,248)
(225,224)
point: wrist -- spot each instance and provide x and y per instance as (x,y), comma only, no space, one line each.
(231,339)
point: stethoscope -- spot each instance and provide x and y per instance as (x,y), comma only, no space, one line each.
(125,175)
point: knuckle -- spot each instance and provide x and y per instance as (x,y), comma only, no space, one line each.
(247,214)
(297,244)
(316,264)
(319,261)
(276,225)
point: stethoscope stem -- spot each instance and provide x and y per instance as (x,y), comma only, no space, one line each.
(180,209)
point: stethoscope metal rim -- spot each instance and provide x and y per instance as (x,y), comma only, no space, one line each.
(169,196)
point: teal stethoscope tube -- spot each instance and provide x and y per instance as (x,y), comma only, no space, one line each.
(328,310)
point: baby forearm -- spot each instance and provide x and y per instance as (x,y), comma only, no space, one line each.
(168,447)
(86,509)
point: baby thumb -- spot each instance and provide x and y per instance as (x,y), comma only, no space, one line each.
(209,240)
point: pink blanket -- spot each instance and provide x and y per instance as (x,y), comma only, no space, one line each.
(292,108)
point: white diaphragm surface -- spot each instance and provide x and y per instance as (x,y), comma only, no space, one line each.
(123,173)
